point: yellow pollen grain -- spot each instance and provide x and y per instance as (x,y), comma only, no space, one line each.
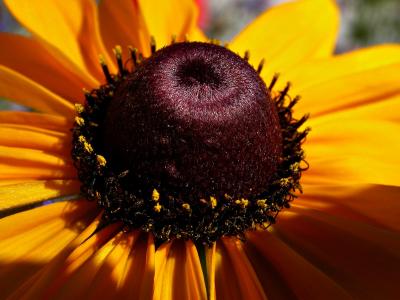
(242,202)
(80,121)
(261,203)
(88,147)
(285,181)
(82,139)
(157,207)
(79,108)
(155,195)
(227,197)
(101,160)
(117,51)
(102,60)
(295,167)
(186,206)
(213,202)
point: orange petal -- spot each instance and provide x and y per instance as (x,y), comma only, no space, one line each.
(138,278)
(362,259)
(234,275)
(38,284)
(71,27)
(178,273)
(35,164)
(165,19)
(73,266)
(123,24)
(376,205)
(128,271)
(5,182)
(289,34)
(210,253)
(285,274)
(356,146)
(32,138)
(107,270)
(29,240)
(347,81)
(49,69)
(78,278)
(39,120)
(18,88)
(28,173)
(31,157)
(28,193)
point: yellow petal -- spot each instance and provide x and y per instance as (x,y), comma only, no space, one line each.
(35,164)
(39,172)
(137,281)
(127,272)
(285,274)
(289,34)
(70,26)
(31,157)
(372,204)
(210,264)
(362,259)
(178,273)
(5,182)
(20,194)
(39,120)
(123,24)
(18,88)
(29,240)
(96,247)
(164,19)
(109,271)
(347,80)
(356,146)
(39,285)
(234,276)
(49,69)
(77,283)
(33,138)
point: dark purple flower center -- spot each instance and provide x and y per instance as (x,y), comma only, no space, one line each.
(196,119)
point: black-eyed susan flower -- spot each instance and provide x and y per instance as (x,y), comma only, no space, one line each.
(161,179)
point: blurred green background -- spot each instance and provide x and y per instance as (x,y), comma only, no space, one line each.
(363,22)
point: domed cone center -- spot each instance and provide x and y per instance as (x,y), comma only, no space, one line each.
(196,120)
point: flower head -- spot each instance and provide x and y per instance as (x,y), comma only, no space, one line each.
(187,150)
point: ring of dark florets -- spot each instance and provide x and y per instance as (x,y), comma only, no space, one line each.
(162,213)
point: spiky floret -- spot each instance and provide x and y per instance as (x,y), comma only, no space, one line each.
(157,207)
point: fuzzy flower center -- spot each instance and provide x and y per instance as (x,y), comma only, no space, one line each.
(188,143)
(195,119)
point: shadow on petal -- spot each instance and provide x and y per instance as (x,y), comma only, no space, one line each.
(31,239)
